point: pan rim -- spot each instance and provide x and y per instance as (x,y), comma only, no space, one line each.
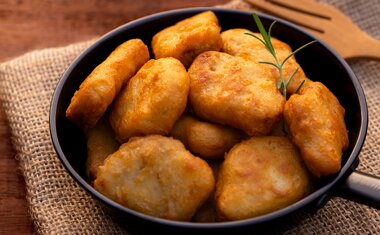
(346,169)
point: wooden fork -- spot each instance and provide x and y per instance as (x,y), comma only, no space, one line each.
(327,23)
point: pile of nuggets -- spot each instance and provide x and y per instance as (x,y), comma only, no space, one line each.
(196,134)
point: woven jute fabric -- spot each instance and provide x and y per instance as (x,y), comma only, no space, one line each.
(59,206)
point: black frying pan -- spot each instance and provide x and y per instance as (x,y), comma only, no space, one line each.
(319,62)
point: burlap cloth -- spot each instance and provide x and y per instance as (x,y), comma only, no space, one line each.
(59,206)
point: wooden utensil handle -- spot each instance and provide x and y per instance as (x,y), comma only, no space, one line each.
(364,47)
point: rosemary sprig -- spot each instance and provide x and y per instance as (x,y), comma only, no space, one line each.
(282,84)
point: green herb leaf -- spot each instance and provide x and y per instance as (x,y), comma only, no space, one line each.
(290,78)
(264,33)
(251,34)
(281,85)
(297,50)
(270,29)
(267,62)
(299,86)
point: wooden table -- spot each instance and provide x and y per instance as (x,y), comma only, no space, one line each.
(35,24)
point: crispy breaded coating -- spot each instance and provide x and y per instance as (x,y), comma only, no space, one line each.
(101,142)
(157,176)
(153,100)
(205,139)
(230,90)
(188,38)
(99,89)
(258,176)
(237,43)
(315,120)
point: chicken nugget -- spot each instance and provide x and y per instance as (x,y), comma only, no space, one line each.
(188,38)
(99,89)
(230,90)
(101,142)
(259,176)
(205,139)
(153,100)
(236,42)
(157,176)
(315,120)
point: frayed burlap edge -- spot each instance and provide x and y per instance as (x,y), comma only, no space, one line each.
(59,206)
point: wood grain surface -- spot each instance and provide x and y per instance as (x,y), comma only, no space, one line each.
(27,25)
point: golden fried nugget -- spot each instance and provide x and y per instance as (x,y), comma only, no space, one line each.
(315,120)
(259,176)
(188,38)
(230,90)
(99,89)
(101,142)
(204,139)
(237,43)
(157,176)
(153,100)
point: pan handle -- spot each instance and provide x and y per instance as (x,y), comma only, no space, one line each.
(363,188)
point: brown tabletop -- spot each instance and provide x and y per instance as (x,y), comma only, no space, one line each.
(36,24)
